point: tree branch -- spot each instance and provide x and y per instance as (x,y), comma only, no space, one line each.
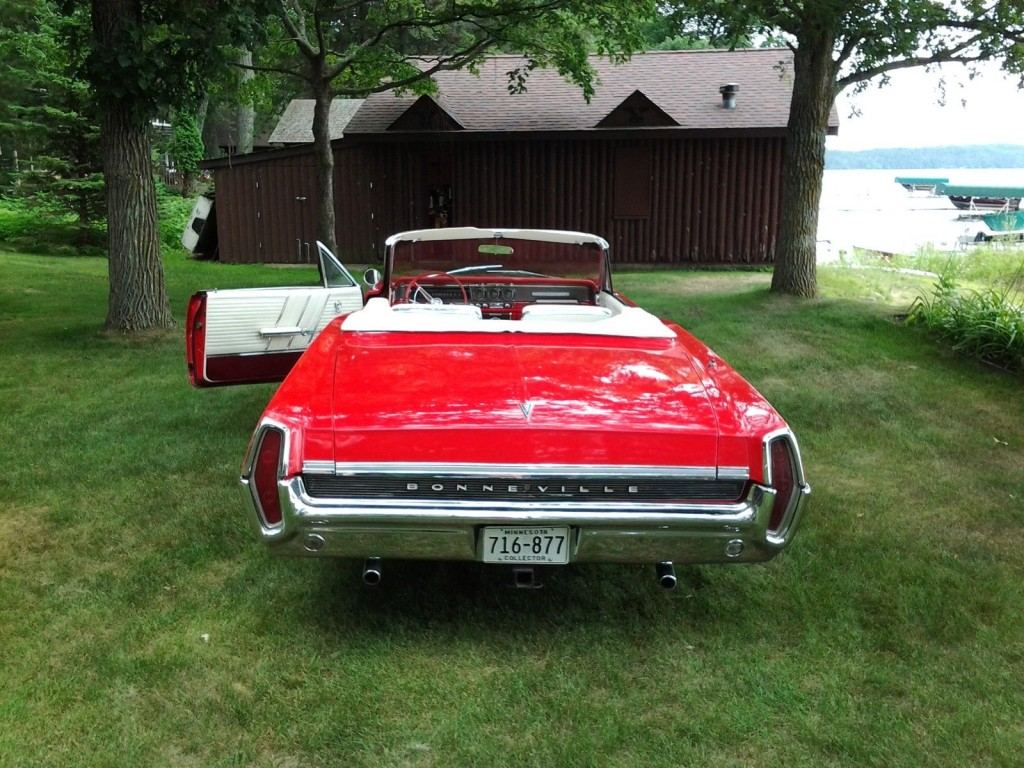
(848,48)
(262,68)
(948,56)
(298,36)
(318,26)
(474,16)
(455,61)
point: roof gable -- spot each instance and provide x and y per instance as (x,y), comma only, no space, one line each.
(425,114)
(636,111)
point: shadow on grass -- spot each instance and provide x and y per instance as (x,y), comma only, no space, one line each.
(460,600)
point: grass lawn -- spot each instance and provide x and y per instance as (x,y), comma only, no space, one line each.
(142,625)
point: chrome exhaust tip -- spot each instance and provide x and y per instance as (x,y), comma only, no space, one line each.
(666,575)
(372,571)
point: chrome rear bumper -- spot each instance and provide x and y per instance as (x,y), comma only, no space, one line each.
(619,532)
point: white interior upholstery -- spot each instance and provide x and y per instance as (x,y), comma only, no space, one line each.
(469,311)
(611,318)
(571,312)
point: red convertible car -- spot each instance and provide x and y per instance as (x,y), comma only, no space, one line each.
(493,398)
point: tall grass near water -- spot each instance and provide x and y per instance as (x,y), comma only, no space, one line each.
(986,323)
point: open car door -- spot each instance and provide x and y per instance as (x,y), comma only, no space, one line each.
(253,335)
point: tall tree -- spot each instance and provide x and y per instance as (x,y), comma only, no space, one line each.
(148,55)
(838,45)
(246,122)
(138,296)
(355,49)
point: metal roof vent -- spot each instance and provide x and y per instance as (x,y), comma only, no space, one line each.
(729,91)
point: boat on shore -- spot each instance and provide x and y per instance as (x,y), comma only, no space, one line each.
(921,183)
(1010,222)
(982,198)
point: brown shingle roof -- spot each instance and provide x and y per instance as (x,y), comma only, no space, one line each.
(682,83)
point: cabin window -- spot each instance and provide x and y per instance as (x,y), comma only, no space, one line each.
(631,192)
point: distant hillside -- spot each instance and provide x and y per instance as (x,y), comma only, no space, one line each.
(966,156)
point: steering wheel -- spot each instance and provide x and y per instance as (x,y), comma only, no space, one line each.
(415,288)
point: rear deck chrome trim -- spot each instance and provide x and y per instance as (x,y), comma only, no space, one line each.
(733,473)
(518,470)
(318,467)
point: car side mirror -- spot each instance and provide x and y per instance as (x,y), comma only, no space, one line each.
(372,277)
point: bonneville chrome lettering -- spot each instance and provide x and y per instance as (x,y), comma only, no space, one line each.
(476,487)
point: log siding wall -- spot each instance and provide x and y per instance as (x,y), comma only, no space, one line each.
(711,200)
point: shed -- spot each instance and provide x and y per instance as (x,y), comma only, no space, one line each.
(656,162)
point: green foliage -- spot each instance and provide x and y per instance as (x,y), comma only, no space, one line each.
(377,46)
(985,324)
(186,144)
(31,226)
(982,267)
(661,33)
(867,39)
(49,117)
(162,55)
(174,211)
(41,225)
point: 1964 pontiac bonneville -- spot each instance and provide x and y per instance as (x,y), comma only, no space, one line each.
(495,399)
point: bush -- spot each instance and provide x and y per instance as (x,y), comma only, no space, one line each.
(173,211)
(987,324)
(30,226)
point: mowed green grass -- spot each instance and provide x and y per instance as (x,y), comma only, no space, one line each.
(141,624)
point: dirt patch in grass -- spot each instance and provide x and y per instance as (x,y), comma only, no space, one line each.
(24,533)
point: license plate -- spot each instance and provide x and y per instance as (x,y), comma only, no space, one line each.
(521,544)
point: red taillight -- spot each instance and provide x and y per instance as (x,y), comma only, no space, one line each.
(265,475)
(783,480)
(195,339)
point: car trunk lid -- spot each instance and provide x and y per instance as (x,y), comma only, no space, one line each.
(519,399)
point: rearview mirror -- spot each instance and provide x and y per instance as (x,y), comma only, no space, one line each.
(372,277)
(496,250)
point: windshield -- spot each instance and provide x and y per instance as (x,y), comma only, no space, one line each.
(505,256)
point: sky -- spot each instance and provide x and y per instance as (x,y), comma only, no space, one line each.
(907,112)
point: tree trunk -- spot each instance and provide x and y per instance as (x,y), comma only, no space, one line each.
(246,113)
(138,294)
(803,167)
(324,162)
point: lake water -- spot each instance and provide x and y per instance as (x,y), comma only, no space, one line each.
(868,209)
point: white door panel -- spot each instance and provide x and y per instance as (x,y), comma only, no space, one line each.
(251,335)
(258,320)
